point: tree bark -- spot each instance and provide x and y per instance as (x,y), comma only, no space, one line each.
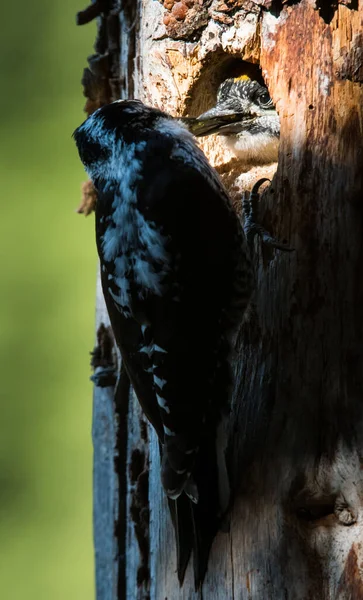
(296,422)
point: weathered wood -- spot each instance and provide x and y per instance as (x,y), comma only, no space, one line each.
(297,450)
(137,513)
(105,481)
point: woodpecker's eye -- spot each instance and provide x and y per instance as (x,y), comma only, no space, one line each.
(92,151)
(264,100)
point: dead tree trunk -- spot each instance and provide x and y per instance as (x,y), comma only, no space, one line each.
(296,526)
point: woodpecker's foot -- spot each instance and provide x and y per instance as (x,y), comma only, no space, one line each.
(251,225)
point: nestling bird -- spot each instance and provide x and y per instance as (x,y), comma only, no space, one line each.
(245,115)
(177,277)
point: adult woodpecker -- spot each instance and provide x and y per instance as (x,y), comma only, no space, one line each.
(245,115)
(177,277)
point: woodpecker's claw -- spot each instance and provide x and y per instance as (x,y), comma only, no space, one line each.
(251,225)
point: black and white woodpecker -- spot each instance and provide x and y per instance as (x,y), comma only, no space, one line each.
(245,115)
(177,277)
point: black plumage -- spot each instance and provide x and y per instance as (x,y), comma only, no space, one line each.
(177,278)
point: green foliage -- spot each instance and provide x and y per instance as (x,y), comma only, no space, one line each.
(47,308)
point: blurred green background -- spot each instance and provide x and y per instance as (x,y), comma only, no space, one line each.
(48,272)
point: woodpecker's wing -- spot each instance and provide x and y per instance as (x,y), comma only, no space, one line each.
(207,290)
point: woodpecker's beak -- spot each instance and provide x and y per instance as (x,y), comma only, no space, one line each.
(218,120)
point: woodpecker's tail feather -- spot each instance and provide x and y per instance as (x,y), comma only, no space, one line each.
(182,518)
(196,524)
(193,533)
(207,513)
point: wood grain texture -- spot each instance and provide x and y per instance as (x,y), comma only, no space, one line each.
(296,443)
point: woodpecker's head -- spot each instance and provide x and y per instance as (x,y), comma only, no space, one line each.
(125,122)
(245,114)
